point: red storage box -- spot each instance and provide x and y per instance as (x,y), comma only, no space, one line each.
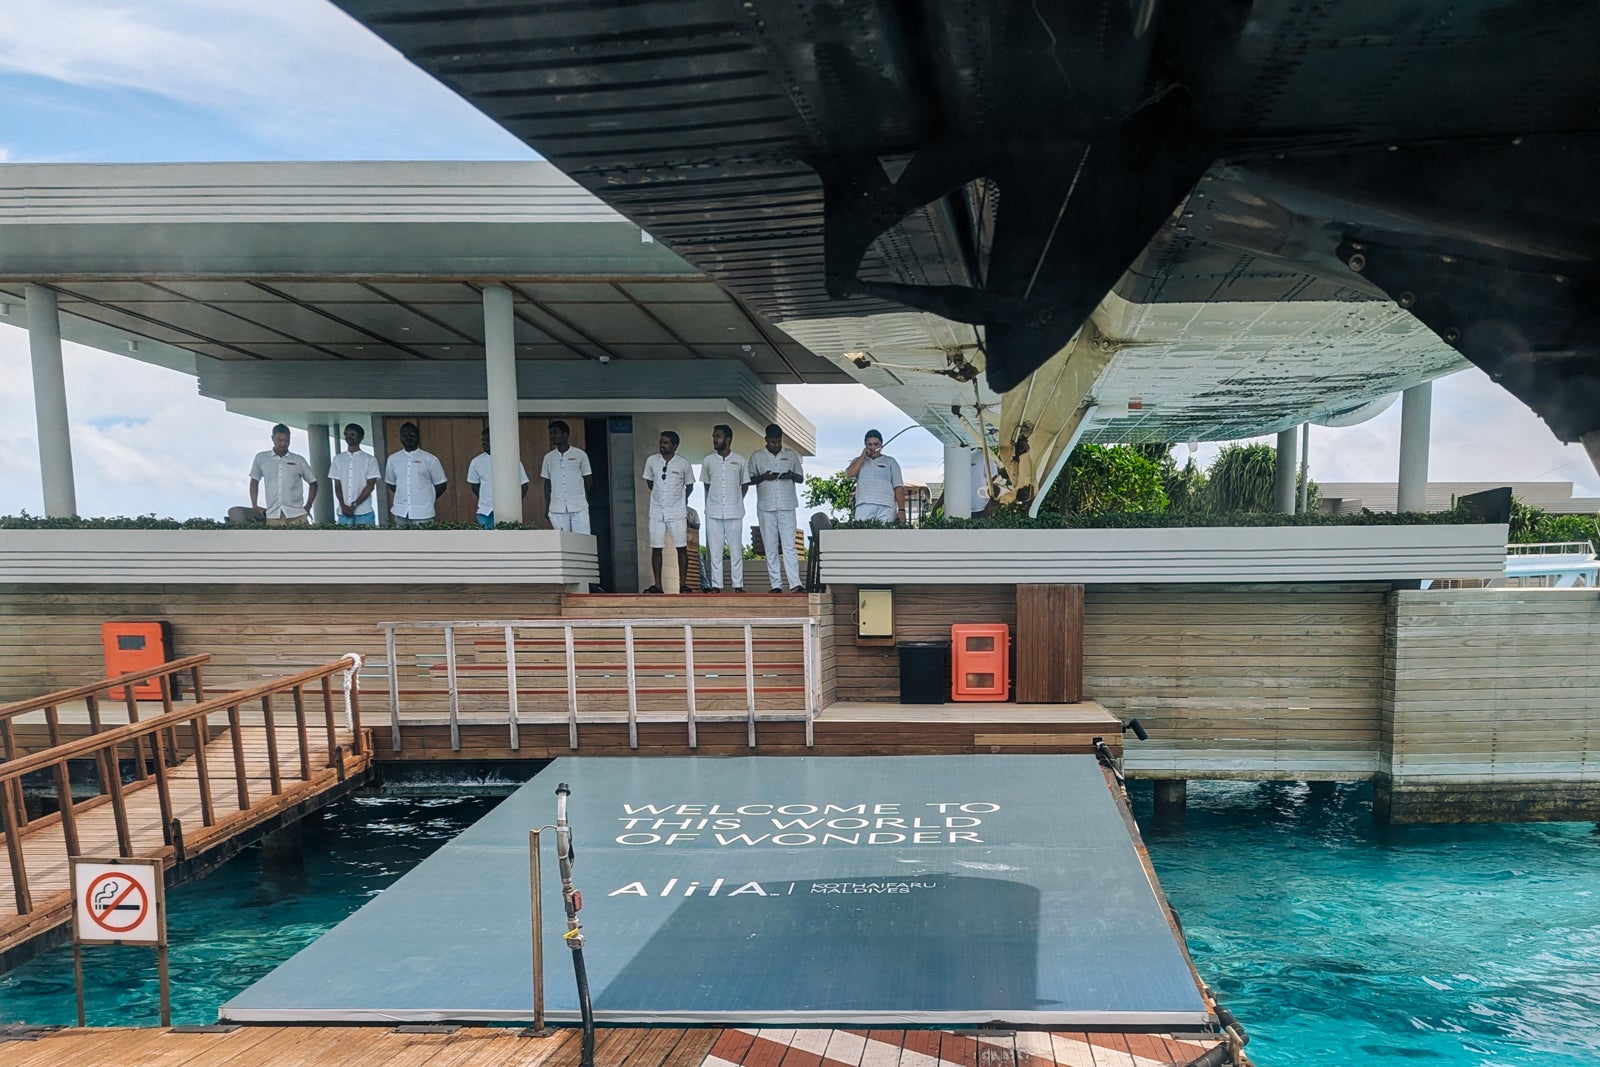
(136,646)
(980,659)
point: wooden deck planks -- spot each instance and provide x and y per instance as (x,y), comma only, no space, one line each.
(44,844)
(368,1046)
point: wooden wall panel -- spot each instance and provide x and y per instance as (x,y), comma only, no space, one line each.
(1049,642)
(921,613)
(50,635)
(457,439)
(1492,705)
(1255,681)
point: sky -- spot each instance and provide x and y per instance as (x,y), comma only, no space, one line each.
(224,80)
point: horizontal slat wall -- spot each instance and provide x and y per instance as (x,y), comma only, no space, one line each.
(85,558)
(1181,555)
(921,613)
(50,634)
(1492,705)
(1257,681)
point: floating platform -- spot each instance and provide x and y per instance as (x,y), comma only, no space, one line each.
(806,891)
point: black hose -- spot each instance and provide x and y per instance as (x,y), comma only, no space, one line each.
(572,901)
(585,1008)
(1215,1056)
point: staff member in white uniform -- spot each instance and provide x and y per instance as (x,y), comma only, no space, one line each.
(670,479)
(726,476)
(880,490)
(567,477)
(480,479)
(775,471)
(354,475)
(415,479)
(281,472)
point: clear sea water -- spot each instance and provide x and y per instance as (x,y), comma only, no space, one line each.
(1334,940)
(231,927)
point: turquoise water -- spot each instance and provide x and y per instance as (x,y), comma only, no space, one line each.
(239,922)
(1336,941)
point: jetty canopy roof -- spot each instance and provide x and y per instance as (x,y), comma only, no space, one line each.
(1233,216)
(289,288)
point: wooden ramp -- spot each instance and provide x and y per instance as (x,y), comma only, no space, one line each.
(348,1046)
(238,782)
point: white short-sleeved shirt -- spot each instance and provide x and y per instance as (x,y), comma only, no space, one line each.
(480,472)
(280,478)
(352,470)
(565,472)
(779,494)
(725,478)
(413,475)
(668,479)
(877,480)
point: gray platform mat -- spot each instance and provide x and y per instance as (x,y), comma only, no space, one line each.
(894,891)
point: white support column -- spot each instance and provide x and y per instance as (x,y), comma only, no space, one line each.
(321,457)
(1416,423)
(500,360)
(50,403)
(1305,465)
(1283,473)
(957,482)
(1591,442)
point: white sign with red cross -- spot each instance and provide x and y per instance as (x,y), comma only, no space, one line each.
(118,900)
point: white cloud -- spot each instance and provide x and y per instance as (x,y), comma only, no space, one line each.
(299,73)
(143,439)
(1480,433)
(843,413)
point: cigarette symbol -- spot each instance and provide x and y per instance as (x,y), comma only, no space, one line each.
(104,900)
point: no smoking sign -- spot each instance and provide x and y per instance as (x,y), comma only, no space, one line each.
(118,901)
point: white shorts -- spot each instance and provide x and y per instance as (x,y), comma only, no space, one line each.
(660,526)
(571,521)
(875,512)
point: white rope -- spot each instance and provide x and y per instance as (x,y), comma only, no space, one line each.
(352,680)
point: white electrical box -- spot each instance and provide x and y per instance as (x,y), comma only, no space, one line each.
(875,613)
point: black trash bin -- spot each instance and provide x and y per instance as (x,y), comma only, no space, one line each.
(924,672)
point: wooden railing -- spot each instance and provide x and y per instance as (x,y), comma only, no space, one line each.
(92,694)
(679,666)
(155,739)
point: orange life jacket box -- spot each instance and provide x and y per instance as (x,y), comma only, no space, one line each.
(980,661)
(136,646)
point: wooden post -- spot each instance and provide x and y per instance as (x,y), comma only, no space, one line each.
(202,735)
(1049,642)
(273,775)
(301,732)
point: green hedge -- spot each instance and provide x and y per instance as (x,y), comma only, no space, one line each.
(1166,520)
(151,522)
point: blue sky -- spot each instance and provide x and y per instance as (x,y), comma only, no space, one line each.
(194,80)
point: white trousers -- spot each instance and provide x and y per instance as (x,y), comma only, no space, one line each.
(777,532)
(570,521)
(728,532)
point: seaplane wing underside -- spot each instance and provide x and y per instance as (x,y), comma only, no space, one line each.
(1005,165)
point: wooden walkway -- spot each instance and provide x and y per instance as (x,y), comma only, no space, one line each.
(845,728)
(347,1046)
(189,814)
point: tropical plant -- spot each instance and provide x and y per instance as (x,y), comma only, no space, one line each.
(1186,488)
(1531,525)
(1241,478)
(835,492)
(1100,479)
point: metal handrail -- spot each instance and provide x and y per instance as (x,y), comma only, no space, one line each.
(449,628)
(105,746)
